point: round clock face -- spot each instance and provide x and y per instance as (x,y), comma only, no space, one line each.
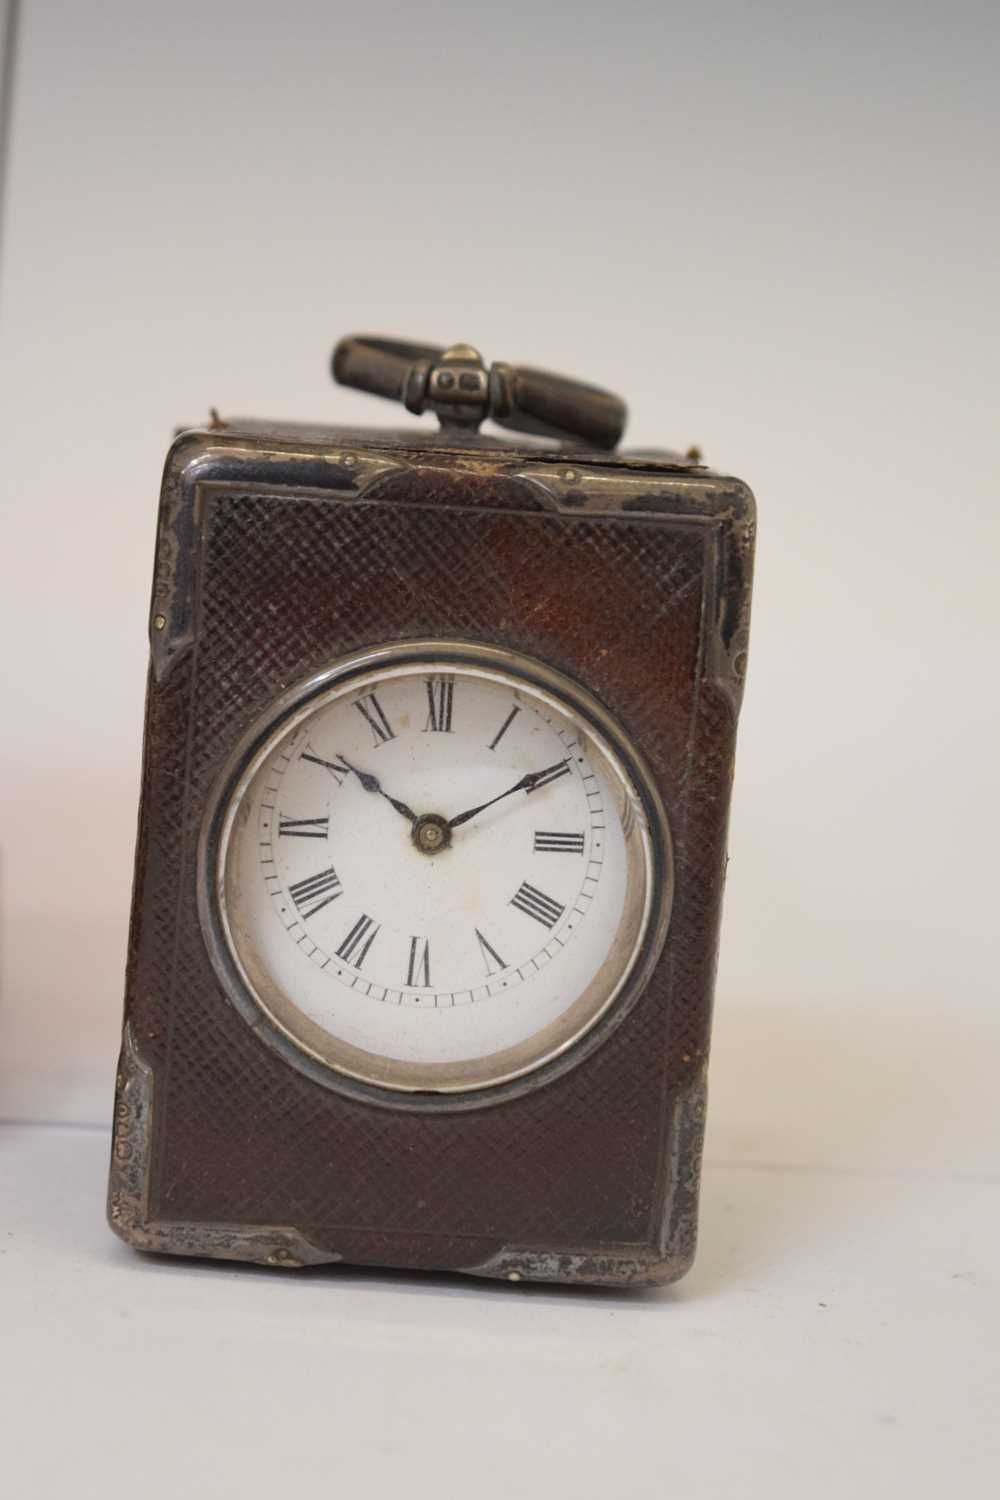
(437,872)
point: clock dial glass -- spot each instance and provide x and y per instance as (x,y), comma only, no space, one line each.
(437,873)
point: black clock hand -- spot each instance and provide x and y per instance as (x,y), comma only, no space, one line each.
(526,784)
(372,784)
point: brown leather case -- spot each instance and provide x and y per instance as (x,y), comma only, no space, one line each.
(281,550)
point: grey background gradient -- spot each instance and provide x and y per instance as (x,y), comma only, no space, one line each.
(774,227)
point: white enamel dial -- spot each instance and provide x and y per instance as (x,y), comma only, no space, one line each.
(436,874)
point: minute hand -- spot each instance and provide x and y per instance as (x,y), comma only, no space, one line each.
(526,784)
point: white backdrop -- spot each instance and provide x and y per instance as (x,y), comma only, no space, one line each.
(775,228)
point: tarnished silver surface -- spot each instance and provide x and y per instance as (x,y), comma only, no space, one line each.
(326,462)
(456,384)
(128,1189)
(671,1249)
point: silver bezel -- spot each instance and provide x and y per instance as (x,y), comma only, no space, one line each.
(237,776)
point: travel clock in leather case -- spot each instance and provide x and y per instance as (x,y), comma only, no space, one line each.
(439,743)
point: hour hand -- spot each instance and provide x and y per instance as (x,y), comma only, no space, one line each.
(528,783)
(372,784)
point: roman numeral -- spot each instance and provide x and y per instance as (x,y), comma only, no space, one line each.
(535,903)
(337,768)
(440,691)
(490,956)
(559,843)
(504,727)
(316,891)
(552,775)
(418,975)
(354,948)
(370,710)
(303,828)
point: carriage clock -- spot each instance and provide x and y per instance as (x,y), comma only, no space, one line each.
(438,750)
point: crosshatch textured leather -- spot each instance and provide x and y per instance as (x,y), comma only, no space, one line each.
(276,558)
